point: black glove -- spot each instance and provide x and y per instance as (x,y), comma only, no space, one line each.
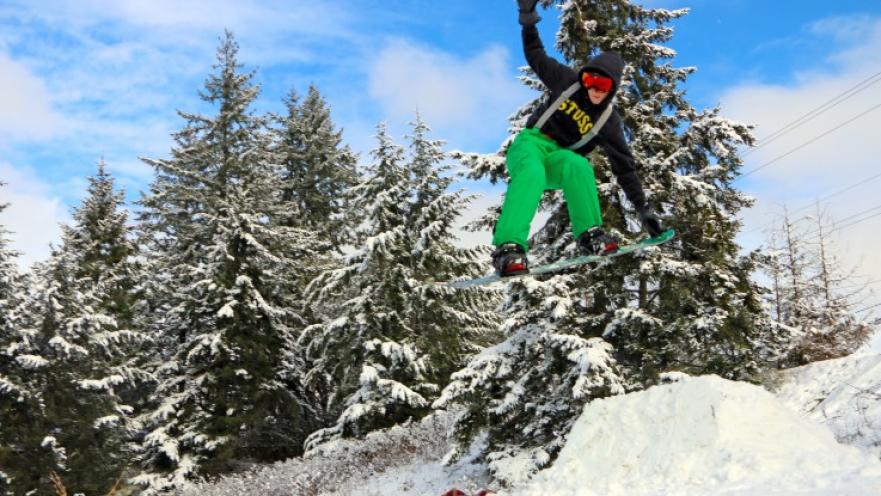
(650,222)
(528,16)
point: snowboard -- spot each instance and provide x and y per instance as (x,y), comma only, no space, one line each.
(565,264)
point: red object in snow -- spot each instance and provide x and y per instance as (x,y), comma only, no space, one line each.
(455,492)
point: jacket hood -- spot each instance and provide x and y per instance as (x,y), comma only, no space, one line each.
(609,64)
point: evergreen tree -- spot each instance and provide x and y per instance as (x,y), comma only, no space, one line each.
(9,276)
(812,292)
(843,331)
(318,169)
(17,404)
(368,298)
(785,262)
(451,324)
(227,273)
(390,341)
(614,326)
(79,340)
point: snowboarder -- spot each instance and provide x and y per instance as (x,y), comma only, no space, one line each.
(550,153)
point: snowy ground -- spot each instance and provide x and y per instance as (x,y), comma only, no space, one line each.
(844,394)
(819,433)
(401,461)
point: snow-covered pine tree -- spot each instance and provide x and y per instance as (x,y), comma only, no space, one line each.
(80,347)
(785,263)
(10,295)
(107,258)
(367,330)
(796,300)
(813,292)
(9,276)
(318,169)
(390,342)
(451,324)
(614,326)
(17,403)
(227,272)
(839,297)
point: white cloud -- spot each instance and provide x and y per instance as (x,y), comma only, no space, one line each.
(841,155)
(195,23)
(25,108)
(33,215)
(465,100)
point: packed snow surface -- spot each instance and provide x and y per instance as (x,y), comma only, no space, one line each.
(703,436)
(844,394)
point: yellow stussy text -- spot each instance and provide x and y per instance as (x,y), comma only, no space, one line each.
(580,117)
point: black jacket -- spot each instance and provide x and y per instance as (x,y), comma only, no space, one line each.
(567,126)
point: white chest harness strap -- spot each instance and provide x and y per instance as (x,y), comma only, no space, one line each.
(559,101)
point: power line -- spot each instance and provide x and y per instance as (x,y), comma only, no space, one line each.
(868,308)
(855,222)
(857,184)
(840,98)
(849,217)
(867,283)
(799,147)
(813,234)
(842,190)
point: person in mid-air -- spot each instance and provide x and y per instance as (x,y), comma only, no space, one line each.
(550,153)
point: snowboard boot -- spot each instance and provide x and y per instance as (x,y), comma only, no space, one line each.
(455,492)
(595,241)
(509,259)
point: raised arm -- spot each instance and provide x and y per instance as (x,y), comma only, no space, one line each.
(553,74)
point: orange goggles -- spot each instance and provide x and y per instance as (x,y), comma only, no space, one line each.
(601,83)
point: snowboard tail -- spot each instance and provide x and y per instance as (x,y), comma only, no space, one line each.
(567,263)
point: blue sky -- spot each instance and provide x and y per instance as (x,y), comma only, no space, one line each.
(92,78)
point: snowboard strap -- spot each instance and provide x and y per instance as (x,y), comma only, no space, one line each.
(595,130)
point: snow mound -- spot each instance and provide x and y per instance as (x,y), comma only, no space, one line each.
(842,393)
(701,436)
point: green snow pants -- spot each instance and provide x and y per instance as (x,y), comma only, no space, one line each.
(536,163)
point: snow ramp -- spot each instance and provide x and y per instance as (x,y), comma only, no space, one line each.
(703,436)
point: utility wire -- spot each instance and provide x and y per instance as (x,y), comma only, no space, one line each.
(857,88)
(868,308)
(857,184)
(849,217)
(867,283)
(813,234)
(799,147)
(841,98)
(855,222)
